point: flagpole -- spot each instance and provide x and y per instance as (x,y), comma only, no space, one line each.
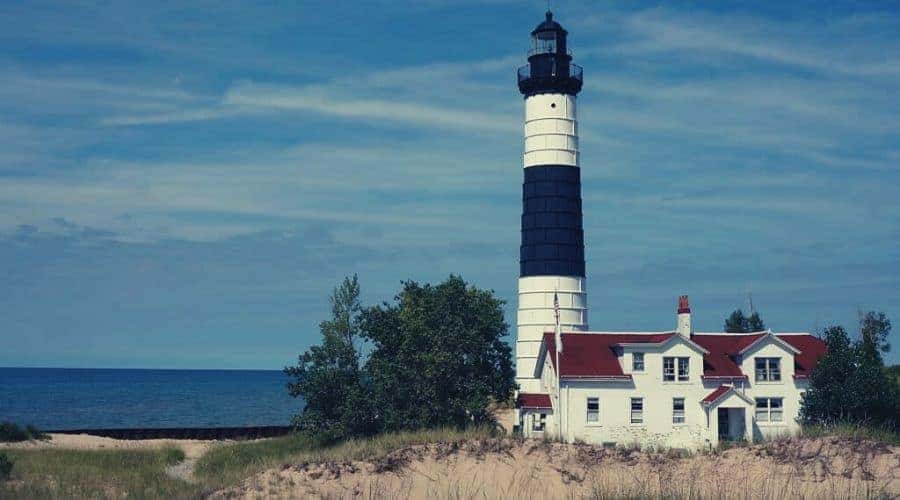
(558,341)
(559,386)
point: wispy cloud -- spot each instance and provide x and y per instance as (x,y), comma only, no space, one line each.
(779,42)
(719,147)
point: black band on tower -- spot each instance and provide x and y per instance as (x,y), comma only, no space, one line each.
(552,234)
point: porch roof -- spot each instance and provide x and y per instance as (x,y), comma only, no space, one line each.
(533,400)
(721,393)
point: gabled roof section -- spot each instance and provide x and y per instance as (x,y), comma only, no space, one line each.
(726,348)
(721,362)
(722,392)
(768,335)
(811,351)
(533,401)
(592,354)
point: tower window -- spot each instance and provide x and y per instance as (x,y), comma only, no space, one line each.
(552,104)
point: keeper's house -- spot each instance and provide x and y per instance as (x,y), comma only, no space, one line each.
(668,389)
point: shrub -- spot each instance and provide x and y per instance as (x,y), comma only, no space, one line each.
(5,467)
(12,433)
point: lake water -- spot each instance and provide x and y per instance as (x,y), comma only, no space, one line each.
(62,398)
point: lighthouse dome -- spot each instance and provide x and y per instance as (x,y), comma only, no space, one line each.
(548,25)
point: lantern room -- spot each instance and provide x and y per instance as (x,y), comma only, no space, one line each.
(549,68)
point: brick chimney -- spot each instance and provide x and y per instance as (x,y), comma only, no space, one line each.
(684,317)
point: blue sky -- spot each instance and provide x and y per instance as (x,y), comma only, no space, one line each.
(182,183)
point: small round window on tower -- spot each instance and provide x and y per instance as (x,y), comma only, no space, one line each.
(552,104)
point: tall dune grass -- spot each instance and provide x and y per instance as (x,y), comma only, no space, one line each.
(229,464)
(853,431)
(59,473)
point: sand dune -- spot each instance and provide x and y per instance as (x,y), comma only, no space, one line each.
(821,468)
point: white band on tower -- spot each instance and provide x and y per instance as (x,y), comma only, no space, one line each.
(551,130)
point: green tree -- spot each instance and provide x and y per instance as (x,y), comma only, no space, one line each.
(850,382)
(6,466)
(755,323)
(439,356)
(828,399)
(874,329)
(877,392)
(738,323)
(328,376)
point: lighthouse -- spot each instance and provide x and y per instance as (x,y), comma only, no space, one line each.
(551,256)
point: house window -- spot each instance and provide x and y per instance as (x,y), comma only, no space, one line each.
(678,410)
(637,410)
(769,409)
(669,372)
(768,369)
(669,369)
(683,364)
(593,410)
(637,362)
(539,422)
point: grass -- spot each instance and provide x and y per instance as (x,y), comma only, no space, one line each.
(229,464)
(5,466)
(58,473)
(854,431)
(12,433)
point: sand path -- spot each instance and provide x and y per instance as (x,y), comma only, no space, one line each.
(193,448)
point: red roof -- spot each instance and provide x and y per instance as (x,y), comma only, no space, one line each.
(723,349)
(593,355)
(716,394)
(533,400)
(811,351)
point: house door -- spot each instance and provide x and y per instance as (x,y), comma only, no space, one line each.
(724,435)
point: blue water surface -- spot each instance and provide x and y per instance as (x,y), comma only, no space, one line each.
(67,398)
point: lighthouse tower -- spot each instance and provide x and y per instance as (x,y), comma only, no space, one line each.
(552,252)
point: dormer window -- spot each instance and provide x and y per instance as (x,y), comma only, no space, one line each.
(637,362)
(676,369)
(768,369)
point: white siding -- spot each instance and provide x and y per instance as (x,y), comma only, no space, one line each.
(658,430)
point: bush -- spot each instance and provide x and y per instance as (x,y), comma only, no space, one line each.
(881,434)
(12,433)
(5,467)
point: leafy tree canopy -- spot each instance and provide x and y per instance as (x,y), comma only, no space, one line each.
(738,323)
(850,382)
(438,357)
(328,376)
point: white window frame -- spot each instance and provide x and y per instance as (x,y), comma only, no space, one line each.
(679,417)
(595,413)
(639,414)
(638,358)
(684,375)
(538,422)
(669,371)
(771,370)
(679,371)
(769,410)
